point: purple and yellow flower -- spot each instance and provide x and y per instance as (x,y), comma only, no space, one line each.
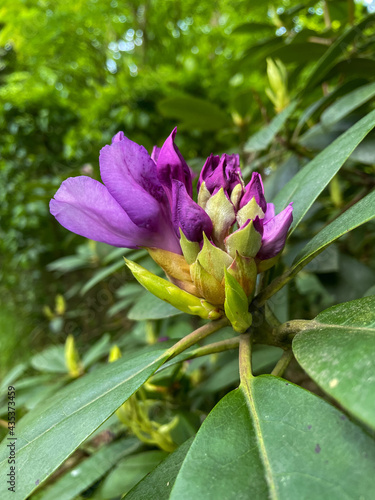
(147,201)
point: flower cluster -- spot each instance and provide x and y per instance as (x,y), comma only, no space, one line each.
(147,201)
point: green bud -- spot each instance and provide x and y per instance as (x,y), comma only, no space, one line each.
(60,306)
(203,196)
(249,211)
(245,271)
(169,292)
(210,288)
(246,241)
(278,79)
(213,259)
(114,354)
(236,304)
(236,195)
(221,212)
(72,360)
(190,249)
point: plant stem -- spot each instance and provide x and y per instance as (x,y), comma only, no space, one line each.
(245,358)
(283,363)
(215,347)
(196,336)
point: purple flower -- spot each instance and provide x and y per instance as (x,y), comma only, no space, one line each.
(225,173)
(220,173)
(142,202)
(275,230)
(145,201)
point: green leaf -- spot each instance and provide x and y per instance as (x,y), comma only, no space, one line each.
(150,307)
(347,104)
(252,27)
(276,441)
(129,472)
(56,428)
(102,274)
(77,480)
(194,112)
(337,350)
(360,213)
(262,139)
(336,50)
(307,185)
(98,350)
(12,376)
(158,484)
(51,360)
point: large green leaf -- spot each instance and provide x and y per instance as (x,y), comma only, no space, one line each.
(150,307)
(159,482)
(129,472)
(361,212)
(102,274)
(347,104)
(194,112)
(262,139)
(50,433)
(337,351)
(90,470)
(306,186)
(276,440)
(336,50)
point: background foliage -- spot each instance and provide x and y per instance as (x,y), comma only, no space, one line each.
(74,73)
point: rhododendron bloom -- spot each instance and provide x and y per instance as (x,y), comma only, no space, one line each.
(148,202)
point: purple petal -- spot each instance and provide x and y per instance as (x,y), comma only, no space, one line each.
(254,189)
(155,153)
(225,175)
(171,165)
(131,178)
(84,206)
(188,215)
(118,137)
(275,233)
(270,212)
(209,166)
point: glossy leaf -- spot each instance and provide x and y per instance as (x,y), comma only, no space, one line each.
(337,350)
(51,360)
(129,472)
(90,470)
(158,484)
(150,307)
(336,50)
(96,351)
(58,426)
(358,214)
(347,104)
(276,441)
(194,112)
(101,275)
(307,185)
(262,139)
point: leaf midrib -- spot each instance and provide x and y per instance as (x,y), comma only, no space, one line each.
(248,393)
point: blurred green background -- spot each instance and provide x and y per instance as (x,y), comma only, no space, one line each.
(73,73)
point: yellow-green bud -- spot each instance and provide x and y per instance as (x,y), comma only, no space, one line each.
(236,304)
(169,292)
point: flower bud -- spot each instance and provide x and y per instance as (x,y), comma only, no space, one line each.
(171,293)
(72,359)
(236,304)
